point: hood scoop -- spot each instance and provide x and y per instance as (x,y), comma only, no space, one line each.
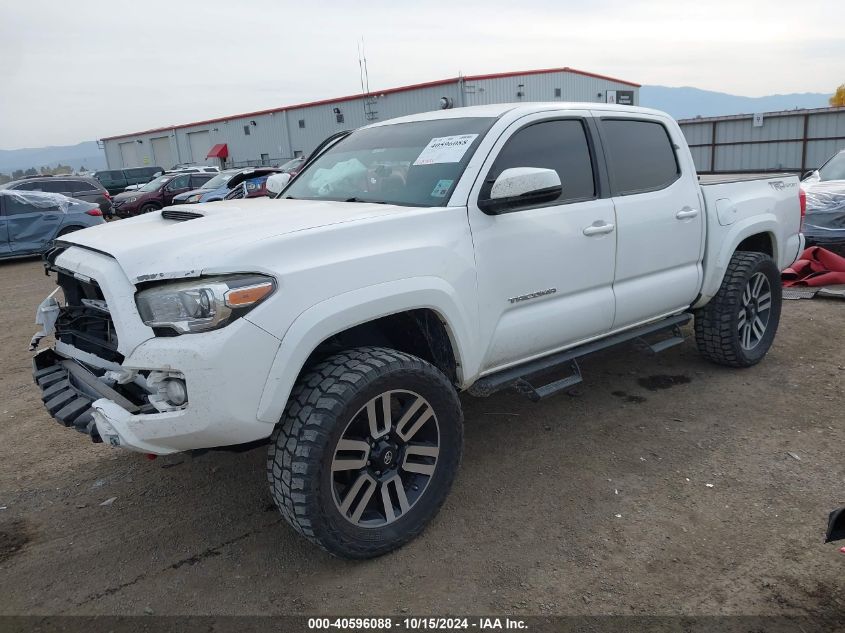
(180,216)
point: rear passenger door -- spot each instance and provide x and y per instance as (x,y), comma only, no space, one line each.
(659,218)
(30,228)
(543,282)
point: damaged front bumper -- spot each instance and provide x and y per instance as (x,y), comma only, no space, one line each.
(66,399)
(114,378)
(224,373)
(79,399)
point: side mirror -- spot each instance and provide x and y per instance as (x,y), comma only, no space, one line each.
(520,187)
(276,183)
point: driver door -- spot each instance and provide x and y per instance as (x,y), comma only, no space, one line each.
(5,248)
(545,272)
(180,184)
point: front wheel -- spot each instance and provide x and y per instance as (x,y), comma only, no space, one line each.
(737,327)
(148,208)
(367,451)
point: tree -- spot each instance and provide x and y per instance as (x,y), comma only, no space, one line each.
(31,172)
(838,98)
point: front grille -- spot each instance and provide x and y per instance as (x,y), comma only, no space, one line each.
(84,321)
(181,216)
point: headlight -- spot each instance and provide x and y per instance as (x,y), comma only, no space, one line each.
(202,304)
(194,198)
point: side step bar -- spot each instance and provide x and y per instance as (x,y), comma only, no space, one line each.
(519,377)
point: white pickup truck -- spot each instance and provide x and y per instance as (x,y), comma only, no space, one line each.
(472,249)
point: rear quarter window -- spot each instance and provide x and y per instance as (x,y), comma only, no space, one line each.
(80,186)
(640,155)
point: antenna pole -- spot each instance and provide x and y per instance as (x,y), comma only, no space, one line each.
(361,77)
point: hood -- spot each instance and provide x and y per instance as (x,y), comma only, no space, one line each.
(188,194)
(152,247)
(128,195)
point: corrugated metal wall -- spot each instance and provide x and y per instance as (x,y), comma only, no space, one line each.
(279,135)
(541,87)
(794,140)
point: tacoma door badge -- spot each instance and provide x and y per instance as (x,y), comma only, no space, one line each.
(533,295)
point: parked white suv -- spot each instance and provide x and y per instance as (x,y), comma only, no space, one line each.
(472,249)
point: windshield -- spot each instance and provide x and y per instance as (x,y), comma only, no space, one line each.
(219,180)
(411,164)
(834,169)
(155,185)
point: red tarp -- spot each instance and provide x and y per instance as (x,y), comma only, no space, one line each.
(221,150)
(815,267)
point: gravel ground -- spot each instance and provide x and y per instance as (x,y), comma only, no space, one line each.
(661,485)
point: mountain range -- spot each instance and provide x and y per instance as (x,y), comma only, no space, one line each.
(681,102)
(85,154)
(686,102)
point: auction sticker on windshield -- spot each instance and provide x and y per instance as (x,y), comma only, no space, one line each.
(445,149)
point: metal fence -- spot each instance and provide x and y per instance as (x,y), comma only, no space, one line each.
(792,140)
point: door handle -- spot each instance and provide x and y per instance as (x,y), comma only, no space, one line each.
(685,213)
(598,229)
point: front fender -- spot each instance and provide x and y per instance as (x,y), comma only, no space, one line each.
(334,315)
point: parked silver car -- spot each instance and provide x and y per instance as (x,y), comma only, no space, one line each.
(81,188)
(31,220)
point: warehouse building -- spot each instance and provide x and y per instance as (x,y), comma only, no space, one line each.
(789,140)
(269,137)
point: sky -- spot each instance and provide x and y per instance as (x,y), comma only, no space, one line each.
(74,71)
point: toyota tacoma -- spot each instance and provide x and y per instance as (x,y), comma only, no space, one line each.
(465,250)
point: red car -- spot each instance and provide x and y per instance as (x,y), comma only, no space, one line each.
(157,193)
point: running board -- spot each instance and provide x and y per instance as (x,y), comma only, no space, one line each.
(519,377)
(655,348)
(535,394)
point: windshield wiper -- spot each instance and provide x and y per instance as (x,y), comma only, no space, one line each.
(367,201)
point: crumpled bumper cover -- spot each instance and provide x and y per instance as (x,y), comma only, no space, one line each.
(67,402)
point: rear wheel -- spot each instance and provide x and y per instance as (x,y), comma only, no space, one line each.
(367,451)
(739,324)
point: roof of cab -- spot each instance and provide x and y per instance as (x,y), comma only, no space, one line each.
(499,109)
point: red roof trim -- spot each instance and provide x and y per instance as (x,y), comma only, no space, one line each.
(565,69)
(428,84)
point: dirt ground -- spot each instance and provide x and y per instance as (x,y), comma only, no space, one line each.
(662,485)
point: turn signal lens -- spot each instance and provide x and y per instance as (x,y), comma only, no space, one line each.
(243,297)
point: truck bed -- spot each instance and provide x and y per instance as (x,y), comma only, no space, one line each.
(718,179)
